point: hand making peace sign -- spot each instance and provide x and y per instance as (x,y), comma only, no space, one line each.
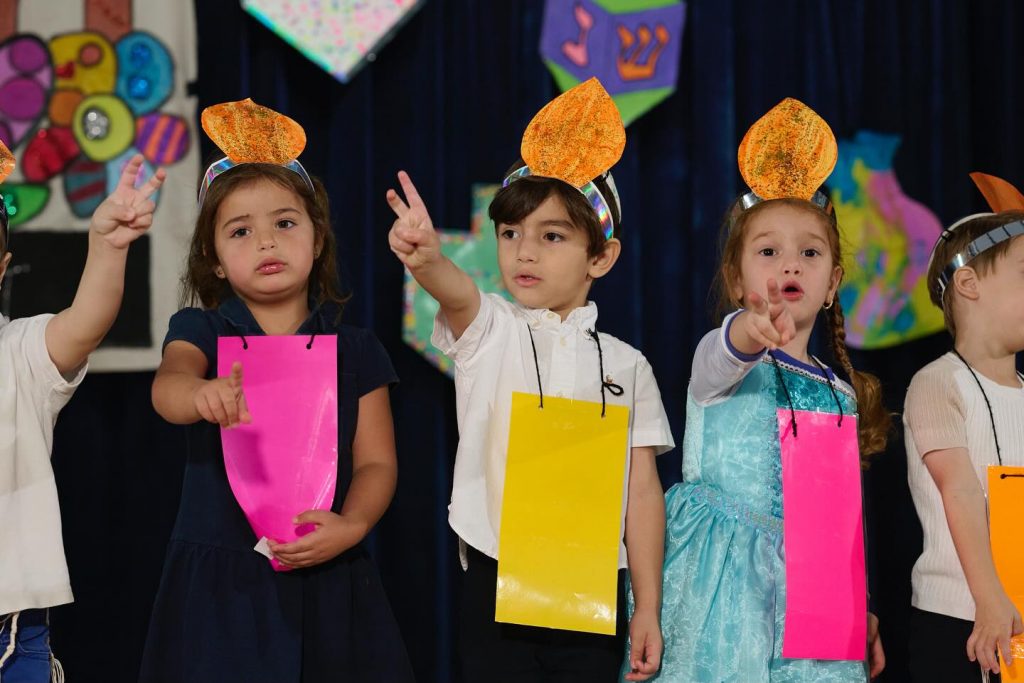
(128,212)
(412,236)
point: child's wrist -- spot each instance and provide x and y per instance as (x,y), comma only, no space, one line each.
(741,340)
(991,595)
(99,241)
(361,523)
(428,264)
(420,269)
(196,388)
(645,607)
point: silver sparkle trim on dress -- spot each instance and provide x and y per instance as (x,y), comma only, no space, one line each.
(804,372)
(713,498)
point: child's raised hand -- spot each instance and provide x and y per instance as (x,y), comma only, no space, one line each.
(127,212)
(645,646)
(221,400)
(996,620)
(334,534)
(412,236)
(769,322)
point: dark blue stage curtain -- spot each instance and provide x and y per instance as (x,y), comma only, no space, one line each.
(448,100)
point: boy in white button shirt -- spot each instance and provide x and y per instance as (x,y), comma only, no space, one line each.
(42,362)
(963,413)
(554,240)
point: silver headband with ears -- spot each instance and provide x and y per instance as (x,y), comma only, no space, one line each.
(990,239)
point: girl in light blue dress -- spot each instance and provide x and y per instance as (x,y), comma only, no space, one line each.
(724,592)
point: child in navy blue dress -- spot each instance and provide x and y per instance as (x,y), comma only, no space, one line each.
(262,262)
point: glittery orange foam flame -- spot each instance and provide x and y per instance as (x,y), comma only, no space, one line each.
(576,137)
(1000,194)
(788,152)
(250,133)
(6,162)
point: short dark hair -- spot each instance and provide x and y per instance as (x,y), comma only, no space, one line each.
(520,198)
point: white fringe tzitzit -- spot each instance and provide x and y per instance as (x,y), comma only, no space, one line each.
(13,641)
(56,670)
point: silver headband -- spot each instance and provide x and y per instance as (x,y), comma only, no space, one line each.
(593,195)
(225,164)
(751,199)
(980,245)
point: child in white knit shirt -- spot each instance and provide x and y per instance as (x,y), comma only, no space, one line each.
(963,413)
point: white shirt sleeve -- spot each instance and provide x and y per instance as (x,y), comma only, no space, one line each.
(650,423)
(51,389)
(464,350)
(934,412)
(718,367)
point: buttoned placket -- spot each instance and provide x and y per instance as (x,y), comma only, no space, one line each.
(563,359)
(561,339)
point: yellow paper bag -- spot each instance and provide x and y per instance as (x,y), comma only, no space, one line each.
(1006,517)
(561,514)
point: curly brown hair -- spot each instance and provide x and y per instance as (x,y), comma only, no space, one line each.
(954,242)
(200,284)
(875,422)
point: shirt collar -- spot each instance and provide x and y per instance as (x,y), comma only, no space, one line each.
(583,318)
(241,320)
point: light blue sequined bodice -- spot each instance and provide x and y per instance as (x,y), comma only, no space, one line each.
(745,465)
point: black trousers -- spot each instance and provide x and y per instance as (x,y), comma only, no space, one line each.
(937,650)
(508,653)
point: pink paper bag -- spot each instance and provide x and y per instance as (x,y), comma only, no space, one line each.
(286,460)
(823,533)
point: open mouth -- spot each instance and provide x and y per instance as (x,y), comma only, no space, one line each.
(792,291)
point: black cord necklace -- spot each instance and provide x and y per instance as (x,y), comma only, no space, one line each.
(988,404)
(789,398)
(606,383)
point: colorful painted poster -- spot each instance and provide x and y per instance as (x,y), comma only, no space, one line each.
(340,36)
(84,85)
(887,239)
(476,252)
(631,46)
